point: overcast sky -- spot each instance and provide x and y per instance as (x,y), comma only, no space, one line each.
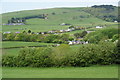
(17,5)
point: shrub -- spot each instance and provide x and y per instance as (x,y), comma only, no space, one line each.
(103,34)
(103,53)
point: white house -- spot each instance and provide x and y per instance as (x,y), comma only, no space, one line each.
(99,27)
(70,42)
(6,32)
(51,31)
(42,33)
(68,30)
(115,21)
(86,42)
(61,30)
(89,31)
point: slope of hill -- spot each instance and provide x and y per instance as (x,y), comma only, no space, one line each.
(56,16)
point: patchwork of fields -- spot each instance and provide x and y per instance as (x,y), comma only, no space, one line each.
(13,47)
(56,16)
(54,21)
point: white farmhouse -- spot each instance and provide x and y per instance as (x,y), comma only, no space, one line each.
(61,30)
(68,30)
(70,42)
(115,21)
(7,32)
(99,27)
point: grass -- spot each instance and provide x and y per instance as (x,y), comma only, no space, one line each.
(67,72)
(7,44)
(41,25)
(11,52)
(53,22)
(15,51)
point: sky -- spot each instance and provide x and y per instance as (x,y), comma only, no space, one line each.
(18,5)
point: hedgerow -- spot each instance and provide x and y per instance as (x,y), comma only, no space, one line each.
(64,55)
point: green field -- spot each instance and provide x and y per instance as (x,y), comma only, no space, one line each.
(54,21)
(67,72)
(11,52)
(15,51)
(7,44)
(62,15)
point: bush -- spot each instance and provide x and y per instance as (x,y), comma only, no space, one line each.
(103,34)
(64,55)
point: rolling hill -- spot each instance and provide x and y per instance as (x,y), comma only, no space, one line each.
(56,16)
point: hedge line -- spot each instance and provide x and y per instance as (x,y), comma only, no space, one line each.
(64,55)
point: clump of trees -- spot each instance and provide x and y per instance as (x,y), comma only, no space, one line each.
(109,34)
(107,7)
(117,52)
(104,12)
(64,55)
(23,19)
(31,37)
(17,20)
(81,34)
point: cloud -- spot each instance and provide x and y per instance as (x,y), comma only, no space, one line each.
(60,0)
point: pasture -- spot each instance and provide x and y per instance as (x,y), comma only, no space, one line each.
(7,44)
(15,51)
(73,16)
(66,72)
(53,22)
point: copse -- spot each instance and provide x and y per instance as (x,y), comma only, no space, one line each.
(117,52)
(17,20)
(107,7)
(104,12)
(80,34)
(102,35)
(31,37)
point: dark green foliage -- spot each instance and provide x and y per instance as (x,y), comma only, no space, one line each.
(29,31)
(64,55)
(53,13)
(71,27)
(105,12)
(29,37)
(16,20)
(102,35)
(9,61)
(115,37)
(23,19)
(108,7)
(81,34)
(117,52)
(35,16)
(34,57)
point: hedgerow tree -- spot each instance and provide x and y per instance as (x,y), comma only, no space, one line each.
(81,34)
(117,52)
(103,34)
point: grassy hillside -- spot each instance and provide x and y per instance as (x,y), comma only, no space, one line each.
(56,16)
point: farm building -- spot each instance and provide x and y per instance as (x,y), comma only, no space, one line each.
(63,24)
(99,27)
(6,32)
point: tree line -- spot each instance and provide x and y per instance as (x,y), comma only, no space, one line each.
(23,19)
(106,12)
(65,56)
